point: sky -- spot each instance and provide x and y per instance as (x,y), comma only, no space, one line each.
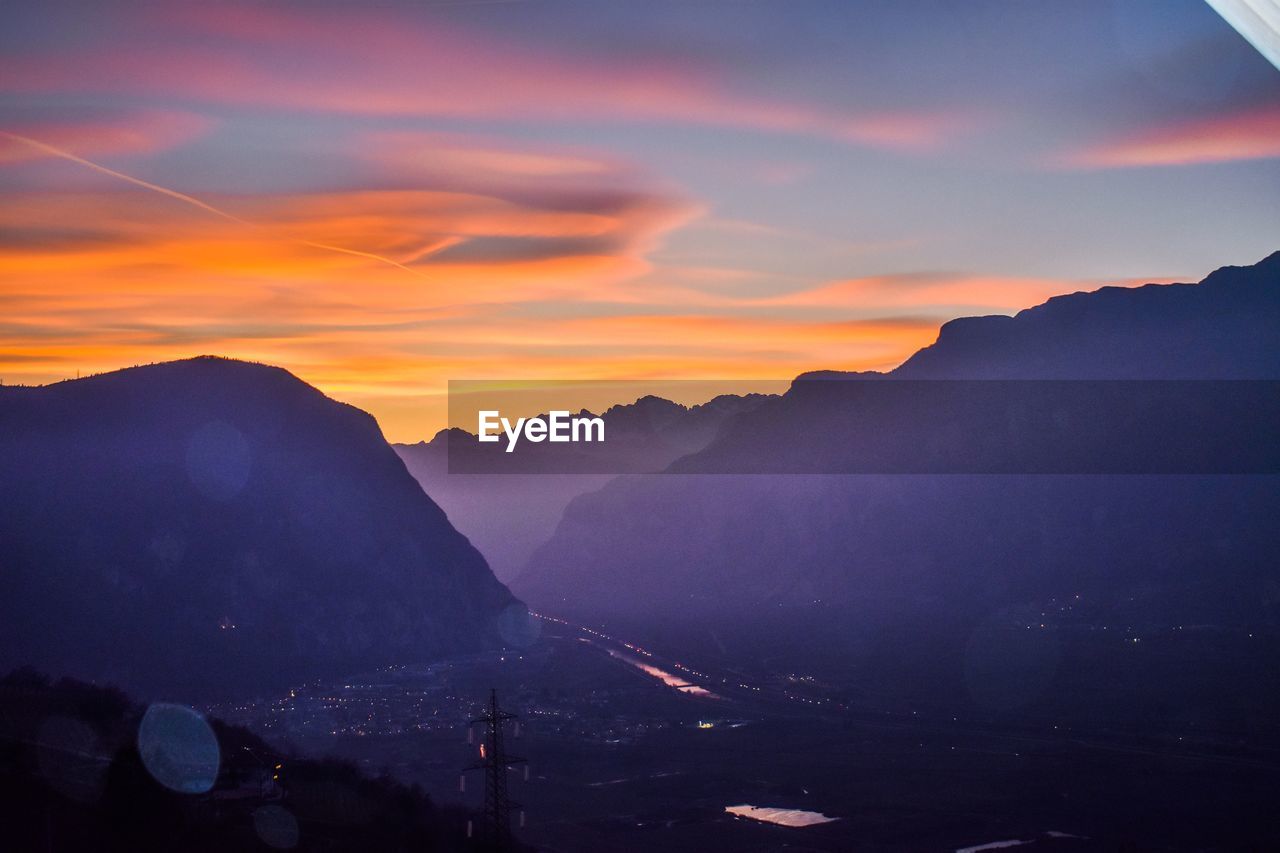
(384,196)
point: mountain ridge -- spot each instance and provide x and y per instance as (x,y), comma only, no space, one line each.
(226,525)
(944,547)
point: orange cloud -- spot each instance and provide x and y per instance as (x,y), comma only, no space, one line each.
(452,238)
(933,291)
(519,271)
(90,281)
(1250,135)
(95,281)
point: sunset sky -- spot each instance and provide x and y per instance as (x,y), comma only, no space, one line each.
(381,197)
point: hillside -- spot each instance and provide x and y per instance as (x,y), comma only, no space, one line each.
(73,776)
(859,561)
(213,525)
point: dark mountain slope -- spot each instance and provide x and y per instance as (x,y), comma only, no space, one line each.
(214,524)
(72,778)
(862,558)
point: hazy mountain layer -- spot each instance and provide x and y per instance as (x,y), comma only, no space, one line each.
(508,515)
(932,549)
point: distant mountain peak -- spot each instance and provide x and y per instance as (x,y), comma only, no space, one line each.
(1211,329)
(885,560)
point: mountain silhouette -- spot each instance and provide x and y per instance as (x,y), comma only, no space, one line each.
(508,515)
(847,562)
(1224,327)
(213,525)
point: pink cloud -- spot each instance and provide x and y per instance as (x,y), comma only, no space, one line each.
(484,163)
(377,64)
(1249,135)
(134,133)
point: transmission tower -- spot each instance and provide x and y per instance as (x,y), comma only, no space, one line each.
(495,826)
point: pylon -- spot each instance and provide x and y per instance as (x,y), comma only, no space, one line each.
(495,825)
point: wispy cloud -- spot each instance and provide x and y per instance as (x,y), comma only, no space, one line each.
(373,62)
(1252,134)
(125,133)
(49,150)
(937,292)
(98,279)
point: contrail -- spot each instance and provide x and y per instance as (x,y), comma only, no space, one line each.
(192,200)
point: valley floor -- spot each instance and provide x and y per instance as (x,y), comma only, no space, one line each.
(626,756)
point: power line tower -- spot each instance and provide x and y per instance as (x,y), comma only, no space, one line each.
(495,828)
